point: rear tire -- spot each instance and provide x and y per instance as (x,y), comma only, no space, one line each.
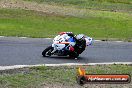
(47,51)
(73,55)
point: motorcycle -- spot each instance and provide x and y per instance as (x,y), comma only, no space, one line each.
(57,48)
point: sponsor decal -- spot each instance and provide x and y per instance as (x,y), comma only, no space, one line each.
(83,78)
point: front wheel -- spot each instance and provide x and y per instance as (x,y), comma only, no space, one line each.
(47,51)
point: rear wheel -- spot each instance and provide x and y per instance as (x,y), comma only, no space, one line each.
(47,51)
(73,55)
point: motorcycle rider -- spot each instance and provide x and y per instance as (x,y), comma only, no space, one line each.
(72,42)
(69,43)
(69,40)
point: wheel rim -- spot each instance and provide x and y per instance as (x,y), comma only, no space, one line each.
(48,53)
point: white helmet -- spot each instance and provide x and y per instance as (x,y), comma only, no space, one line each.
(80,36)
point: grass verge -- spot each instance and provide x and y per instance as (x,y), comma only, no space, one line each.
(16,22)
(66,75)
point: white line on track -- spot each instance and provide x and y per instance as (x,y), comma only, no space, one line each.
(22,37)
(63,64)
(48,38)
(2,36)
(97,40)
(52,38)
(119,41)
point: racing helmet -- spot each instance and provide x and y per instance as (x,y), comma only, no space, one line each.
(80,37)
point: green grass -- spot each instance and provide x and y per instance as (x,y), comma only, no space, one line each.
(36,76)
(97,24)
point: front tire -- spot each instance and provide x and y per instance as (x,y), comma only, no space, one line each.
(47,51)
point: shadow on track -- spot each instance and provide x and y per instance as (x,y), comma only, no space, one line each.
(65,58)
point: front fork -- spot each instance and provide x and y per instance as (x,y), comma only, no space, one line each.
(53,45)
(58,47)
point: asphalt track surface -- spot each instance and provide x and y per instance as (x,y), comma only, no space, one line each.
(27,51)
